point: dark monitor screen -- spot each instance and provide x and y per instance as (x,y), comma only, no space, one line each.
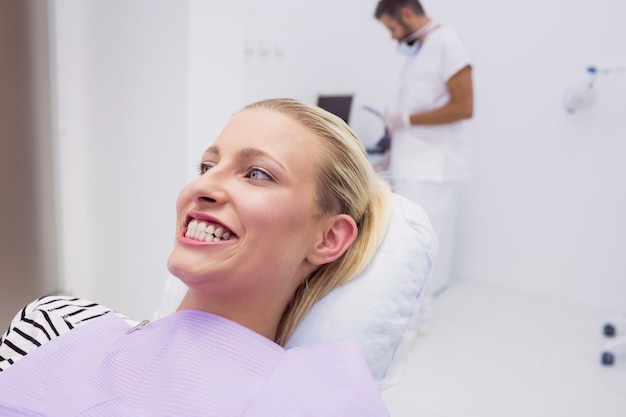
(339,105)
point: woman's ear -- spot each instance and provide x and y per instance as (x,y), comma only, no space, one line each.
(338,233)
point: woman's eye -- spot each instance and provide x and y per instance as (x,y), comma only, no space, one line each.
(258,174)
(203,168)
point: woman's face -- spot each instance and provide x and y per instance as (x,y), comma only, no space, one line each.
(257,184)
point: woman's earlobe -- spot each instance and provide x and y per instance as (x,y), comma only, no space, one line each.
(337,237)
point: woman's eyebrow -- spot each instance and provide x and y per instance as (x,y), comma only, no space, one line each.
(255,152)
(246,153)
(213,149)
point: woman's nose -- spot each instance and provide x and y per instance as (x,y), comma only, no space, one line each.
(208,188)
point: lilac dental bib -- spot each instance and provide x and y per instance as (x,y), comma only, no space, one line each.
(190,363)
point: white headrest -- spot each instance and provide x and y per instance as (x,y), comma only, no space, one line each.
(376,307)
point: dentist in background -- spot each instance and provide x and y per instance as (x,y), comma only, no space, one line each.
(430,150)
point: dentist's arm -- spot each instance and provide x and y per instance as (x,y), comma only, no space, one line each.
(459,107)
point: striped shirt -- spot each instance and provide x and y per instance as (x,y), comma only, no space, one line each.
(44,319)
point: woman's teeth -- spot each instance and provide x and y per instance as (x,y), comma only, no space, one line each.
(206,232)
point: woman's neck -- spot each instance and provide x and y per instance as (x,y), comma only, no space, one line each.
(262,319)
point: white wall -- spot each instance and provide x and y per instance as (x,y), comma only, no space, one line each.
(144,86)
(216,65)
(543,211)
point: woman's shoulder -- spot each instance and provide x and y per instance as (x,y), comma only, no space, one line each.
(43,320)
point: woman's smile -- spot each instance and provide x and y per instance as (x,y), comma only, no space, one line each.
(201,228)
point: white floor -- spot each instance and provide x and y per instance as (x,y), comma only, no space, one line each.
(495,353)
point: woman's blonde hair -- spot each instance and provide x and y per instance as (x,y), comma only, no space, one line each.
(347,183)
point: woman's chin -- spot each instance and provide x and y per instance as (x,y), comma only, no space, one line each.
(180,265)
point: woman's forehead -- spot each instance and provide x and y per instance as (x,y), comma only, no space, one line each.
(266,130)
(256,134)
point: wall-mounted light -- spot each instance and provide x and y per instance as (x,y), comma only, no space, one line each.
(584,96)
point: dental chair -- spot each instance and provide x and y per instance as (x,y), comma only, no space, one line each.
(376,308)
(616,347)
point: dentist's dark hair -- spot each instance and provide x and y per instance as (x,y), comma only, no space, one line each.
(392,8)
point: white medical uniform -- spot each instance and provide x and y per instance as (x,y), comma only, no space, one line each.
(429,161)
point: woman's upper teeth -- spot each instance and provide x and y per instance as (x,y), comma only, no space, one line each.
(200,230)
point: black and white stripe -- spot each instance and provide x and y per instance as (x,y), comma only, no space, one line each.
(45,319)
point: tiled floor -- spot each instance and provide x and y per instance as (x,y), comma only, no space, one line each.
(495,353)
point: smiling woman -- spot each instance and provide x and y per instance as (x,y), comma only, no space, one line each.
(286,208)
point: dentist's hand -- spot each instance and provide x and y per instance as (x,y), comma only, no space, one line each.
(396,121)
